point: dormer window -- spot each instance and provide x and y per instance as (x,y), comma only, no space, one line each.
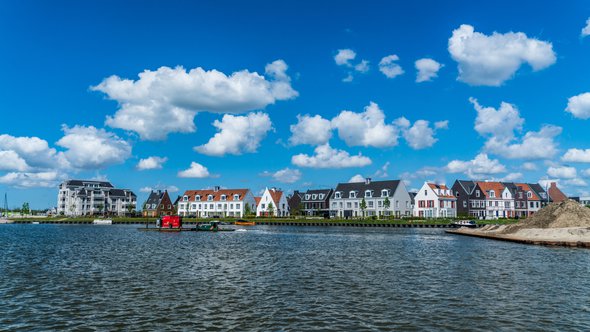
(223,197)
(352,194)
(529,194)
(185,198)
(368,194)
(314,197)
(210,197)
(236,197)
(307,196)
(197,198)
(384,193)
(321,196)
(337,195)
(492,194)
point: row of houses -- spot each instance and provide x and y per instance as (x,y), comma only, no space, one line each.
(379,199)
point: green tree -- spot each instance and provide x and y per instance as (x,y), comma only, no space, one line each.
(25,209)
(130,208)
(247,209)
(386,204)
(271,209)
(100,207)
(363,207)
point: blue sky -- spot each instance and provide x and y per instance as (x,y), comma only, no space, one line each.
(62,118)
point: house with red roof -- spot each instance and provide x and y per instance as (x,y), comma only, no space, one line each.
(435,201)
(216,203)
(273,203)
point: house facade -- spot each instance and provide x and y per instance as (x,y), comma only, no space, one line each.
(382,198)
(317,202)
(158,204)
(295,205)
(272,203)
(435,201)
(216,203)
(87,197)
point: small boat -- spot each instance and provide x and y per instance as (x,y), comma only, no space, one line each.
(242,222)
(35,223)
(464,223)
(102,222)
(212,226)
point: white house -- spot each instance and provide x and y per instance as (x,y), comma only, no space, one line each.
(435,201)
(273,202)
(88,197)
(382,198)
(216,202)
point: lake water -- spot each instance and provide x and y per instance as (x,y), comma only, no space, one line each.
(85,277)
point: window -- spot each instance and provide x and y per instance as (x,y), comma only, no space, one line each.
(262,206)
(348,205)
(380,203)
(368,194)
(185,198)
(199,206)
(218,206)
(314,197)
(236,197)
(337,195)
(238,206)
(384,193)
(231,206)
(492,194)
(223,197)
(352,194)
(321,196)
(477,193)
(210,197)
(193,206)
(464,204)
(356,205)
(197,197)
(334,205)
(529,194)
(161,206)
(211,206)
(169,206)
(307,196)
(425,192)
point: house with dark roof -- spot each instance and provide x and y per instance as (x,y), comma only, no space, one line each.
(317,202)
(216,203)
(89,197)
(158,204)
(347,199)
(294,201)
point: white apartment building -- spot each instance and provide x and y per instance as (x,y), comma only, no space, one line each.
(216,202)
(347,199)
(87,197)
(435,201)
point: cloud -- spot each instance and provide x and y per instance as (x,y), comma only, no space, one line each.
(31,180)
(357,178)
(92,148)
(285,175)
(170,189)
(312,130)
(344,57)
(427,69)
(389,67)
(579,106)
(499,126)
(577,182)
(562,172)
(195,171)
(491,60)
(478,167)
(34,151)
(586,173)
(237,134)
(166,100)
(327,157)
(534,145)
(528,166)
(362,67)
(577,156)
(151,163)
(499,123)
(419,135)
(365,129)
(383,171)
(511,177)
(441,124)
(586,30)
(11,161)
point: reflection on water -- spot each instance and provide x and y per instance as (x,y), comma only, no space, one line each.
(296,278)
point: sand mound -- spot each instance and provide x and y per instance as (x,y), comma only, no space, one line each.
(556,215)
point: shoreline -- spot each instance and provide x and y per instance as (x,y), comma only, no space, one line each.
(549,238)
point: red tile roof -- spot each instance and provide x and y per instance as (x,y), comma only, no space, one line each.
(497,187)
(276,196)
(556,194)
(526,188)
(229,193)
(435,186)
(257,200)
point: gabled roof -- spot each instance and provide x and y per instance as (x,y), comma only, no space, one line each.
(486,187)
(526,188)
(155,197)
(257,200)
(556,194)
(467,185)
(436,187)
(538,189)
(275,195)
(413,196)
(361,187)
(204,193)
(326,192)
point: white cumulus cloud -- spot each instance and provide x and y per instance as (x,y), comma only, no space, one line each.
(344,57)
(313,130)
(478,167)
(285,175)
(427,69)
(166,100)
(562,172)
(586,30)
(389,67)
(92,148)
(11,161)
(328,157)
(577,156)
(151,163)
(357,178)
(491,60)
(237,134)
(365,129)
(196,170)
(499,123)
(47,179)
(579,106)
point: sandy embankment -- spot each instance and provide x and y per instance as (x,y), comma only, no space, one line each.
(565,223)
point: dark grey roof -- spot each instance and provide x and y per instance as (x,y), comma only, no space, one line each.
(538,190)
(82,192)
(361,187)
(467,185)
(81,183)
(155,198)
(413,196)
(327,193)
(117,192)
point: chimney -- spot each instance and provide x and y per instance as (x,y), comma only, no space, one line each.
(368,181)
(553,185)
(216,189)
